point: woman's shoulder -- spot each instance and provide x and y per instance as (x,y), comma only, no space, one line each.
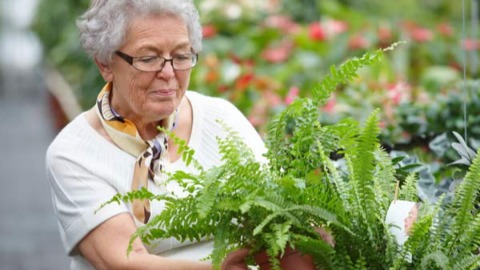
(75,128)
(212,107)
(198,97)
(76,132)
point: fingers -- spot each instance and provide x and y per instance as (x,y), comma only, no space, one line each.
(326,236)
(239,253)
(235,260)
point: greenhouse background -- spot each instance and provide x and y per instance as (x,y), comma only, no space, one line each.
(260,55)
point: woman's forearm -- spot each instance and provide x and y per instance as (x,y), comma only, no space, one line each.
(149,261)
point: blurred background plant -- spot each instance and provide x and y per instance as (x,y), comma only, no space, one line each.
(261,55)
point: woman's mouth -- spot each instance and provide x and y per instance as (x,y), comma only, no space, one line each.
(164,92)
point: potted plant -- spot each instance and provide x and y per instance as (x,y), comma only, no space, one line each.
(240,203)
(281,204)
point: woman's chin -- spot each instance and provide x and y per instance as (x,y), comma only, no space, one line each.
(162,112)
(159,110)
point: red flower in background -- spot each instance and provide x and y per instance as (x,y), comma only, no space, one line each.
(384,34)
(278,54)
(266,83)
(222,88)
(445,29)
(244,81)
(316,32)
(357,42)
(471,44)
(330,106)
(335,27)
(421,34)
(212,76)
(292,95)
(271,98)
(258,114)
(282,23)
(416,32)
(209,31)
(399,92)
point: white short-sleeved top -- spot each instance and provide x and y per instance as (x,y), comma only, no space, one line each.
(85,170)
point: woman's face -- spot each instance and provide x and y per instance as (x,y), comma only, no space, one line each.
(410,219)
(148,97)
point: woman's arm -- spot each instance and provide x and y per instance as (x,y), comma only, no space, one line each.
(105,247)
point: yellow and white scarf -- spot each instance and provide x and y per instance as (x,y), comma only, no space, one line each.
(152,155)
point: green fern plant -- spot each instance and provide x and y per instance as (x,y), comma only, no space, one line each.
(239,203)
(279,203)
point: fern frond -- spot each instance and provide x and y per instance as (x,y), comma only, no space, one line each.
(321,252)
(361,262)
(281,236)
(277,240)
(471,262)
(324,215)
(344,73)
(439,225)
(384,180)
(274,203)
(408,191)
(292,136)
(188,182)
(361,162)
(470,240)
(416,243)
(345,250)
(208,195)
(233,148)
(259,228)
(346,132)
(342,188)
(220,245)
(275,139)
(186,152)
(464,203)
(437,258)
(138,194)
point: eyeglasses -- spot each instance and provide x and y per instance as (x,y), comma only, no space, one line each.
(156,63)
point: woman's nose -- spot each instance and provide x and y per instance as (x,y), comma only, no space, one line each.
(167,69)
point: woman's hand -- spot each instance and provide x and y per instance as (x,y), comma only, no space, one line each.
(325,235)
(235,260)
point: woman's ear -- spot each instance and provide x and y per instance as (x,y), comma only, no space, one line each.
(105,70)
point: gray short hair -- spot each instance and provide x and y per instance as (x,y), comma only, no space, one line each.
(103,26)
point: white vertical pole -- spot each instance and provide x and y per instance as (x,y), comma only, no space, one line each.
(474,35)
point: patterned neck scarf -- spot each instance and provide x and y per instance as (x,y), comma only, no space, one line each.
(152,155)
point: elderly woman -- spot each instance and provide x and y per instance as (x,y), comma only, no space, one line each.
(145,50)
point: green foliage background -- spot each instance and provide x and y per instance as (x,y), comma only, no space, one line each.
(429,71)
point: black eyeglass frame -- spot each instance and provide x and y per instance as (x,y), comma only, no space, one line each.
(130,59)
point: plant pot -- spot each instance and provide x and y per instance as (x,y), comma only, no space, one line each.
(291,260)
